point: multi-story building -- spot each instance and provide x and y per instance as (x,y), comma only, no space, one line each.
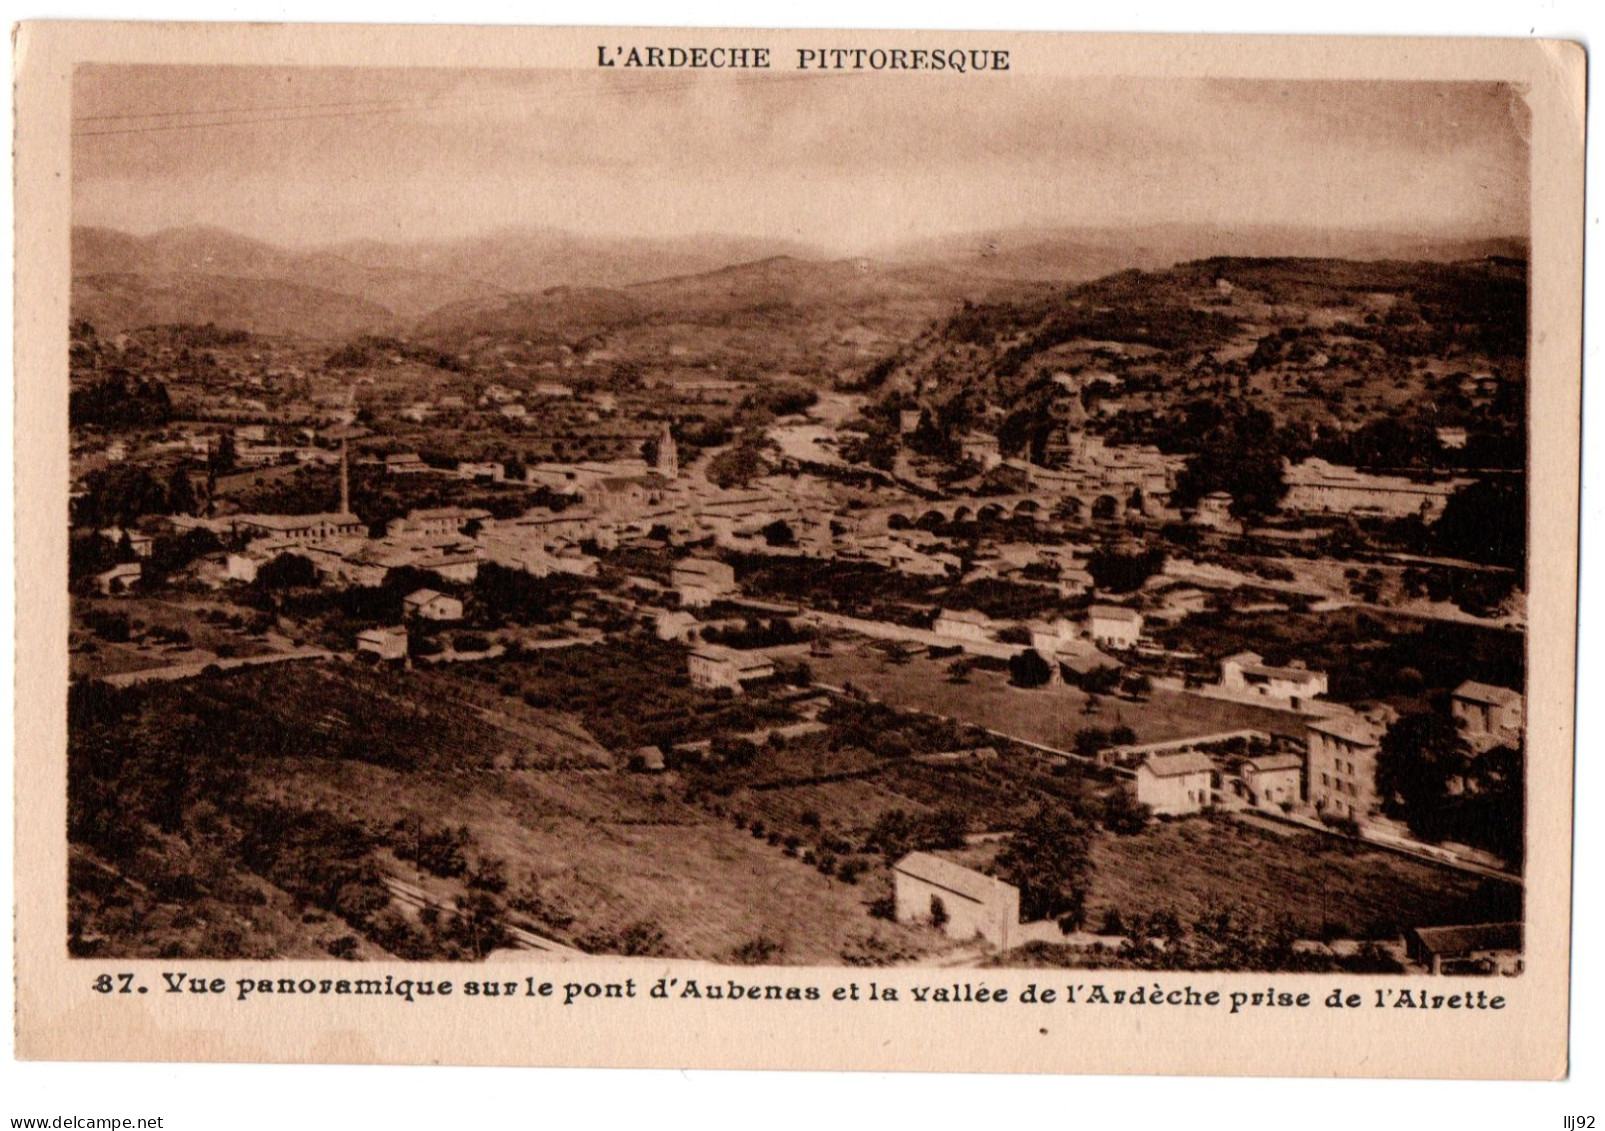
(712,667)
(1341,766)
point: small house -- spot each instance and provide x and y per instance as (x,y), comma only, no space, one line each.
(119,579)
(1274,780)
(1487,715)
(1246,676)
(648,760)
(980,448)
(385,643)
(1214,511)
(674,624)
(405,463)
(1479,948)
(1114,626)
(702,581)
(1176,784)
(428,604)
(964,624)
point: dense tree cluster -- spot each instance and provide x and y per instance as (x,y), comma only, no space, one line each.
(120,402)
(1048,858)
(1123,571)
(1430,778)
(1236,450)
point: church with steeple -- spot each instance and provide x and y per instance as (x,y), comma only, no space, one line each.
(1066,444)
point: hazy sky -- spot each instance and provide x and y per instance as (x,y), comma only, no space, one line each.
(848,162)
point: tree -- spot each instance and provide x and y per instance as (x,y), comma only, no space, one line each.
(736,466)
(223,456)
(88,553)
(1101,680)
(945,828)
(1237,451)
(118,495)
(1486,522)
(180,493)
(1048,859)
(1090,740)
(1124,814)
(1029,669)
(287,571)
(1422,759)
(779,533)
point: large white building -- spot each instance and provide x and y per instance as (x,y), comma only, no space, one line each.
(436,521)
(1318,487)
(302,527)
(964,624)
(964,903)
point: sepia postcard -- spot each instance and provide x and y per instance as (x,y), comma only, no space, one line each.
(762,549)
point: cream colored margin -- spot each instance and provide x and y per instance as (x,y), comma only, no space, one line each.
(59,1017)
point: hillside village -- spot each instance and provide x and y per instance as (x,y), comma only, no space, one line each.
(1169,619)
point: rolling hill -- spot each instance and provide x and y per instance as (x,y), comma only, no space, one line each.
(377,286)
(1320,346)
(778,313)
(119,301)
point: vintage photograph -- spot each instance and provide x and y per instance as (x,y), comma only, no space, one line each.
(776,517)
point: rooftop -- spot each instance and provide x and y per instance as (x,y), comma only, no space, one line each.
(956,878)
(1275,762)
(298,521)
(1354,730)
(1113,612)
(1475,936)
(464,513)
(1487,693)
(1182,762)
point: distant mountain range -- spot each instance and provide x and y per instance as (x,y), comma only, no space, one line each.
(1080,254)
(546,284)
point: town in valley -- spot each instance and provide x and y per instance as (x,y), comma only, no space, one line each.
(1100,598)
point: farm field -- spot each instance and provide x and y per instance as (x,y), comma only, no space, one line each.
(1201,867)
(160,634)
(606,861)
(610,852)
(1049,715)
